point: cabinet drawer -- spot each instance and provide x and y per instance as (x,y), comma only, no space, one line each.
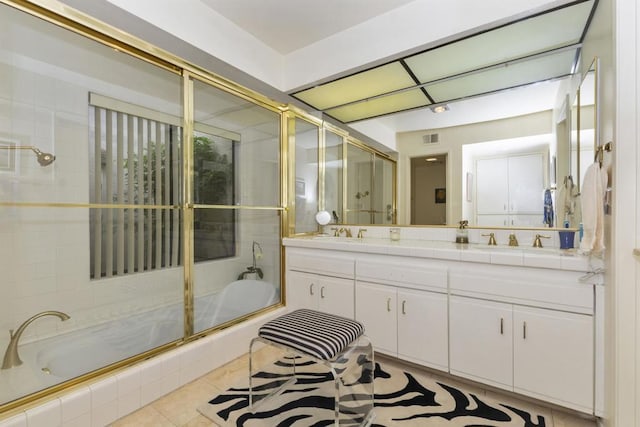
(391,270)
(322,262)
(553,289)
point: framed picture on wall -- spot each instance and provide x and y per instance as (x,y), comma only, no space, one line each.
(441,195)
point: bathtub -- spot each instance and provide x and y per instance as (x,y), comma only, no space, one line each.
(57,359)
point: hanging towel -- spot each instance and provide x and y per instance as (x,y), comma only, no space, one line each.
(594,186)
(548,208)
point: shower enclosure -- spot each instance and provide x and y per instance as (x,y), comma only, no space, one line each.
(163,178)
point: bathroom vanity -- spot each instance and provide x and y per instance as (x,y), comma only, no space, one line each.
(513,318)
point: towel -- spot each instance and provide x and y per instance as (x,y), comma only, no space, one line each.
(593,191)
(568,200)
(548,208)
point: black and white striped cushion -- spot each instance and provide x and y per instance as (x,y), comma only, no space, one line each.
(311,332)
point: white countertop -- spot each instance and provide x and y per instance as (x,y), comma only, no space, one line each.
(559,259)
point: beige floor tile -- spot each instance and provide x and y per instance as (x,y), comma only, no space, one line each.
(144,417)
(200,421)
(180,406)
(229,374)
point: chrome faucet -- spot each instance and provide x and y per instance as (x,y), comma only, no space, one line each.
(256,250)
(11,357)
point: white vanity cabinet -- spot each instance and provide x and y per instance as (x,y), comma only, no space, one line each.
(481,343)
(403,306)
(553,356)
(320,281)
(324,293)
(526,330)
(531,330)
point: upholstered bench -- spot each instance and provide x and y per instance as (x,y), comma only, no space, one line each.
(336,342)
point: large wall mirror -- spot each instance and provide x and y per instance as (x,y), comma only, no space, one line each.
(500,171)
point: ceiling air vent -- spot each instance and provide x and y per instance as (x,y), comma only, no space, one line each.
(430,138)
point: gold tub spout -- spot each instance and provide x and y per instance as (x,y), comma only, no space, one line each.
(11,357)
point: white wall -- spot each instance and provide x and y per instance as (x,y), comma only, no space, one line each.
(620,115)
(451,141)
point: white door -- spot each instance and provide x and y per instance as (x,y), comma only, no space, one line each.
(301,290)
(526,184)
(492,220)
(553,356)
(492,186)
(336,296)
(376,309)
(480,340)
(422,328)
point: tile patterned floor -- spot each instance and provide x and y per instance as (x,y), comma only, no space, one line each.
(178,409)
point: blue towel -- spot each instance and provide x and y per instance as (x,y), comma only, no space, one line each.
(548,208)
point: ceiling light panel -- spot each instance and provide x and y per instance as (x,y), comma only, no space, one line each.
(380,106)
(503,77)
(377,81)
(560,28)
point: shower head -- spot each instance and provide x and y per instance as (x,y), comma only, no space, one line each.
(45,159)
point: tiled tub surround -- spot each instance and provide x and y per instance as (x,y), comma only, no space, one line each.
(546,307)
(103,401)
(63,357)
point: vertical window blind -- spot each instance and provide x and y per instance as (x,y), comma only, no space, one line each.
(136,160)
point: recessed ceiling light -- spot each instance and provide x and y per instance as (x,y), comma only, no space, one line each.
(431,159)
(440,108)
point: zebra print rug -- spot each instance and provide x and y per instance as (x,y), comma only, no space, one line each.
(401,399)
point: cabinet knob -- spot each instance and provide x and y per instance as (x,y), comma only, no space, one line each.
(322,292)
(501,326)
(524,330)
(388,304)
(404,303)
(311,289)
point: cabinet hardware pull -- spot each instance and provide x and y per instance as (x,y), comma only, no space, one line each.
(501,326)
(404,303)
(311,289)
(388,304)
(524,330)
(322,292)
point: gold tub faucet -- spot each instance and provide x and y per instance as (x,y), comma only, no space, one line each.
(11,357)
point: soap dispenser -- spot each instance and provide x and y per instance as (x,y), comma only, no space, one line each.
(462,234)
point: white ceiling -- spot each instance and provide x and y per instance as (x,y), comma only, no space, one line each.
(287,25)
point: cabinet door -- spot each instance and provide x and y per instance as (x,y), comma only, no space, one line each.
(376,309)
(526,184)
(553,356)
(485,220)
(492,186)
(302,289)
(481,345)
(336,296)
(422,328)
